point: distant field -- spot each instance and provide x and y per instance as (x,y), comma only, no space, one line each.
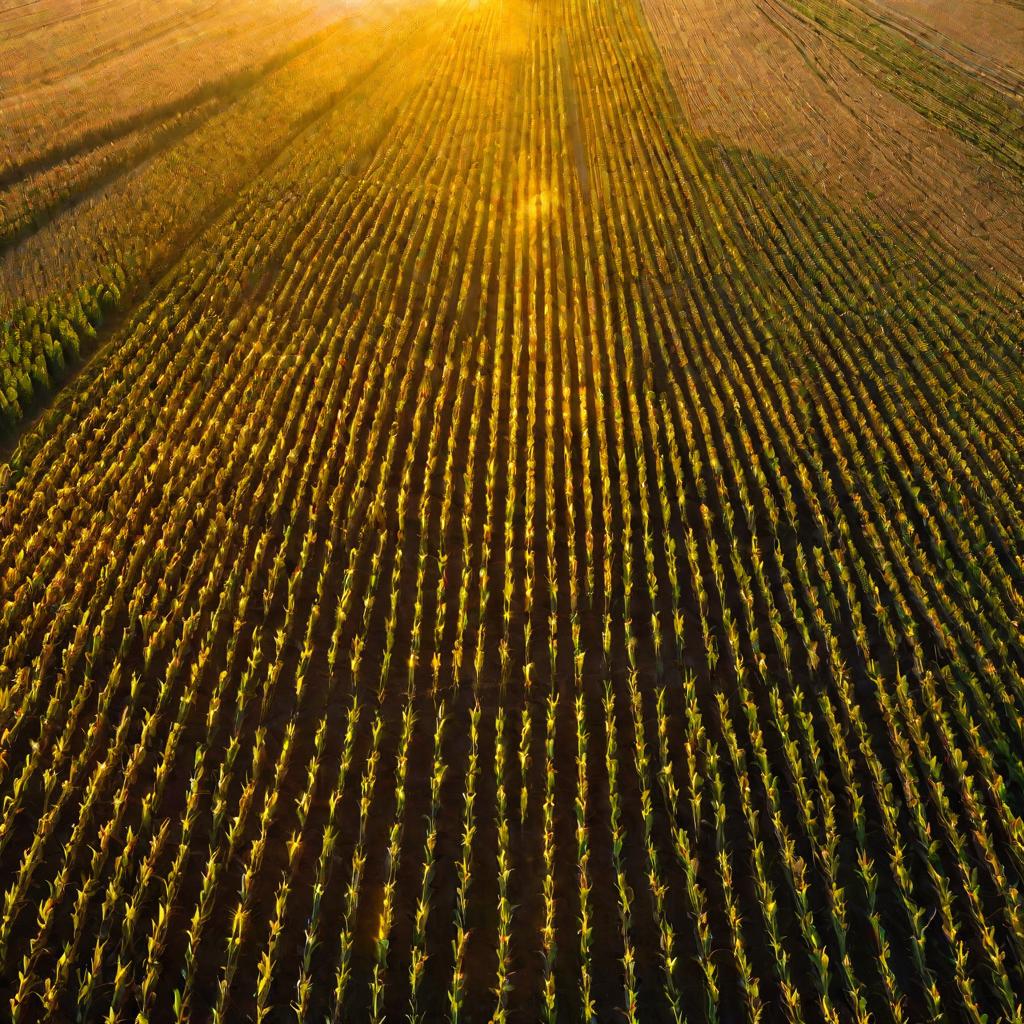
(511,510)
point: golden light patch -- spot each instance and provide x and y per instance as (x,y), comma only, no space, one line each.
(540,204)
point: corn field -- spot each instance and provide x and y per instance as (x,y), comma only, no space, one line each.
(480,543)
